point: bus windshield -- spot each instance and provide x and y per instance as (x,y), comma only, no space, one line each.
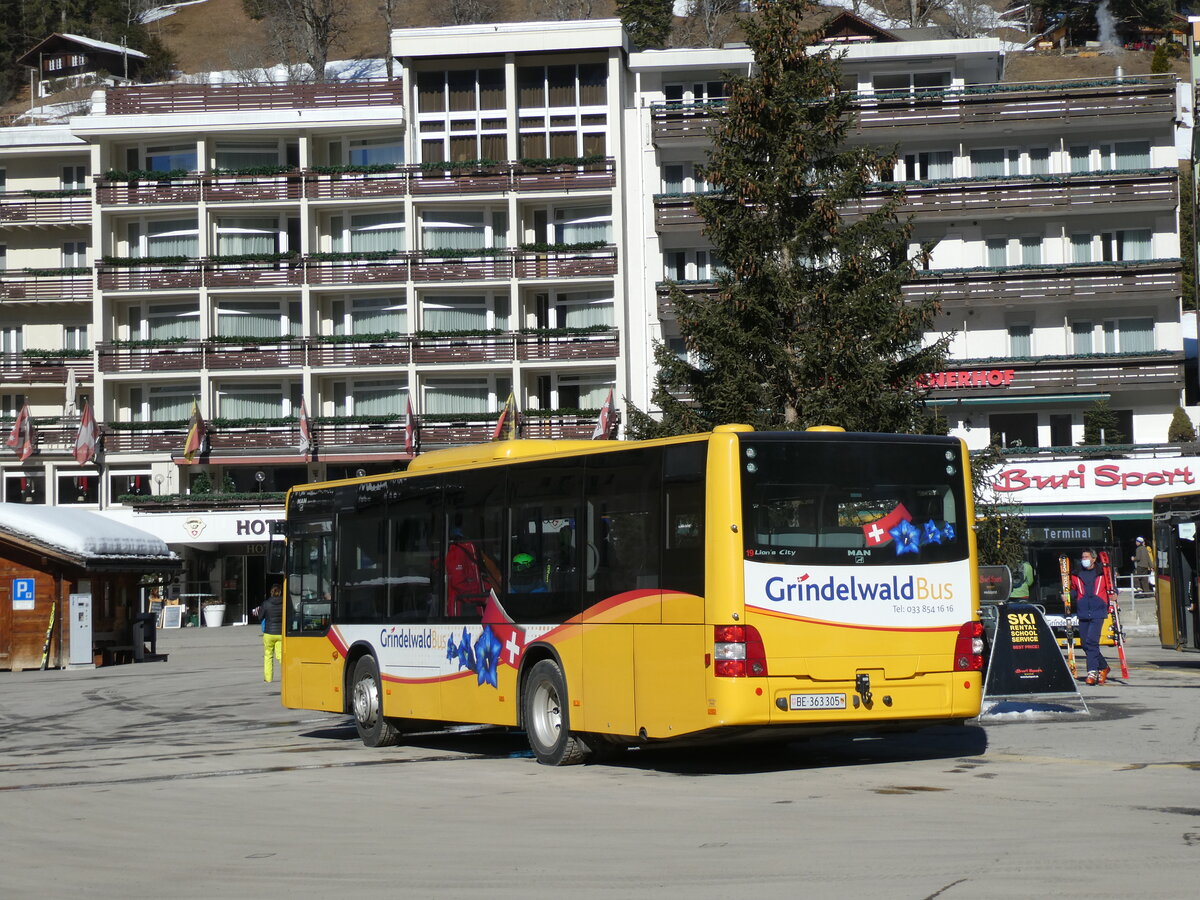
(829,502)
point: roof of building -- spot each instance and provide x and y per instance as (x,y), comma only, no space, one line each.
(82,537)
(62,42)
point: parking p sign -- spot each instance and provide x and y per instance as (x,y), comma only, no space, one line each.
(22,593)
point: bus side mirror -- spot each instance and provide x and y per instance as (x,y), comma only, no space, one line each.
(276,557)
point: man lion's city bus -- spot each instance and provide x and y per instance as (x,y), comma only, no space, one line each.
(606,594)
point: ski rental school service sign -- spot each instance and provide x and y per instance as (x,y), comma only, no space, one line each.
(1112,480)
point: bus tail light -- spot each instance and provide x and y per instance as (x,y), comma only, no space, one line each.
(968,649)
(738,652)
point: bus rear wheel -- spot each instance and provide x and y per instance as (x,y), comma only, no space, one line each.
(366,701)
(546,717)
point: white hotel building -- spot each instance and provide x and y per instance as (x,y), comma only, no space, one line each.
(313,243)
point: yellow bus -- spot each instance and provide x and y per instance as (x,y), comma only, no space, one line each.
(1175,569)
(600,594)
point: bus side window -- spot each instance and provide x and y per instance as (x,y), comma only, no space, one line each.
(362,557)
(414,575)
(625,536)
(310,579)
(544,565)
(474,540)
(683,502)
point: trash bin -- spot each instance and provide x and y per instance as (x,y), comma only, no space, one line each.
(143,633)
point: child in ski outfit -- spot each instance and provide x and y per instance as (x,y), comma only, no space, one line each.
(1090,591)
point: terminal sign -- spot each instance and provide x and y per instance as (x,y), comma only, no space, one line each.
(23,593)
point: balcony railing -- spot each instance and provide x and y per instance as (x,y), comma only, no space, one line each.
(45,284)
(155,99)
(17,368)
(420,266)
(1094,102)
(330,437)
(313,185)
(193,356)
(25,209)
(1065,374)
(959,287)
(1106,192)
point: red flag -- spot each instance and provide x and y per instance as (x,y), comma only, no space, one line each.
(306,442)
(195,435)
(604,423)
(410,430)
(89,434)
(877,532)
(14,438)
(507,425)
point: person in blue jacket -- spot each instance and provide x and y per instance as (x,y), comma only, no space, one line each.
(1090,593)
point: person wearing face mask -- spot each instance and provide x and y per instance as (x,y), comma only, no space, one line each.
(1090,592)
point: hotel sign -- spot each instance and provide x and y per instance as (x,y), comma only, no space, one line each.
(974,378)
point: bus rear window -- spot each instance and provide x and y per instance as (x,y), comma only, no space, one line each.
(840,500)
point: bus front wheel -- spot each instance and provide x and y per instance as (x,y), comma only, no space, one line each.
(546,717)
(366,698)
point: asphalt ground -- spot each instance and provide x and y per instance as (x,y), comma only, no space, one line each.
(186,778)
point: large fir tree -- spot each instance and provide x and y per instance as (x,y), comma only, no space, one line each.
(808,324)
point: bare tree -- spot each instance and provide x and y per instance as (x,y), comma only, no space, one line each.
(708,22)
(561,9)
(304,28)
(465,12)
(387,8)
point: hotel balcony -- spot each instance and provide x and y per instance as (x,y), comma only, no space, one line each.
(46,284)
(959,288)
(317,353)
(1097,103)
(45,208)
(159,99)
(321,271)
(1005,380)
(45,368)
(331,438)
(413,180)
(1113,193)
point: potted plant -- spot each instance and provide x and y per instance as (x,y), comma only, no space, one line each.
(214,613)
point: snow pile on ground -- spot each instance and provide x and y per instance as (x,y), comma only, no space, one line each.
(79,532)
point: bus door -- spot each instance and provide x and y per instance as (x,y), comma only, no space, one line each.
(308,670)
(1176,583)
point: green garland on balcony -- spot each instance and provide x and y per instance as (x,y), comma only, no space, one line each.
(372,169)
(135,261)
(205,499)
(146,344)
(56,273)
(547,162)
(69,192)
(256,170)
(165,425)
(146,175)
(373,338)
(462,165)
(351,256)
(56,354)
(585,247)
(239,258)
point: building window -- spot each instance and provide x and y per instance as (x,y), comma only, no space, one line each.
(1031,250)
(164,322)
(1060,430)
(165,158)
(126,484)
(74,178)
(238,236)
(479,397)
(78,488)
(361,397)
(25,489)
(683,178)
(573,391)
(162,403)
(928,166)
(691,265)
(902,83)
(369,315)
(583,224)
(74,254)
(368,232)
(258,319)
(460,115)
(163,238)
(563,110)
(465,312)
(75,337)
(1013,429)
(12,339)
(246,154)
(695,92)
(996,253)
(266,400)
(1134,335)
(463,230)
(1081,337)
(1020,340)
(379,151)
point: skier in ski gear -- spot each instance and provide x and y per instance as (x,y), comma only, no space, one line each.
(1090,592)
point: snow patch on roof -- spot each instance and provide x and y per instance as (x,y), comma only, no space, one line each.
(105,45)
(79,532)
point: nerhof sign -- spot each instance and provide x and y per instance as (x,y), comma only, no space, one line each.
(1113,480)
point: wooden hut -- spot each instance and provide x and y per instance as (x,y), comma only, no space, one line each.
(49,553)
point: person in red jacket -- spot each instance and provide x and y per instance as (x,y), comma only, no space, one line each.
(1090,593)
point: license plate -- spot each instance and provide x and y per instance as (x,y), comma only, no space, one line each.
(818,701)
